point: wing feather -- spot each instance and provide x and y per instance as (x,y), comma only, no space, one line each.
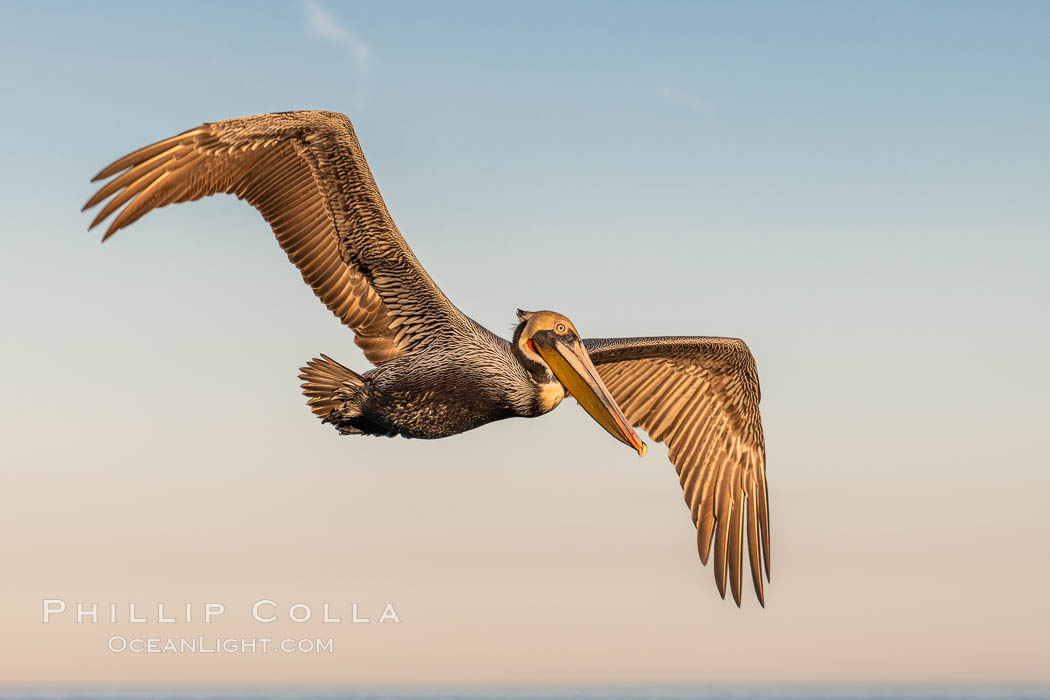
(700,396)
(306,174)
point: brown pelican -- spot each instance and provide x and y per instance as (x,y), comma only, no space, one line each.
(438,372)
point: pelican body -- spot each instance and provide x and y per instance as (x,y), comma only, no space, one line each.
(438,372)
(435,394)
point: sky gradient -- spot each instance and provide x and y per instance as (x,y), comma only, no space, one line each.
(858,190)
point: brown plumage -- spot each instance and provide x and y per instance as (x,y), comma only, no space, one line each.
(306,174)
(438,372)
(700,396)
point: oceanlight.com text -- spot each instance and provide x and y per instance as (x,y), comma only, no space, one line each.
(119,644)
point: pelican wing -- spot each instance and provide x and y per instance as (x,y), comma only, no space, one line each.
(700,397)
(306,174)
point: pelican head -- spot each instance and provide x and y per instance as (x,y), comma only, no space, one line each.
(550,348)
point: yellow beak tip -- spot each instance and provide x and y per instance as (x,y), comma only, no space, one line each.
(642,450)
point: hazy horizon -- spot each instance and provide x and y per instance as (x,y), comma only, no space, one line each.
(859,191)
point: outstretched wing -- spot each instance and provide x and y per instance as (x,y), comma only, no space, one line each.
(700,397)
(306,174)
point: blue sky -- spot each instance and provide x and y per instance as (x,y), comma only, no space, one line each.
(859,190)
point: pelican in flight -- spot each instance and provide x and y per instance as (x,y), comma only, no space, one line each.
(437,371)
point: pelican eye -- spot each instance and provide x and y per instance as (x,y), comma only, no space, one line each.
(560,329)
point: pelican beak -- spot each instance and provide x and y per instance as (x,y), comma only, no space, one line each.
(571,364)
